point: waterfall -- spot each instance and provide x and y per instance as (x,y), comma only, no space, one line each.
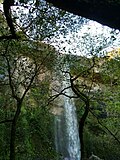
(66,128)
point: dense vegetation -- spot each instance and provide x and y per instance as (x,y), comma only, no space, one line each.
(98,105)
(29,72)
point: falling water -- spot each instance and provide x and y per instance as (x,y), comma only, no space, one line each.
(67,136)
(71,122)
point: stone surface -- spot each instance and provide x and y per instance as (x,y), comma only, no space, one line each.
(106,12)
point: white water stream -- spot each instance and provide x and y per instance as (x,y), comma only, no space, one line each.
(67,137)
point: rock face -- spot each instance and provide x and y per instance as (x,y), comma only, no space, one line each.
(105,12)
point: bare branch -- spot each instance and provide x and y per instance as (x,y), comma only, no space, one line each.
(113,135)
(85,71)
(9,73)
(52,98)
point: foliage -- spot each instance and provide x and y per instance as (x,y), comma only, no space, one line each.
(34,136)
(103,91)
(28,67)
(20,63)
(39,20)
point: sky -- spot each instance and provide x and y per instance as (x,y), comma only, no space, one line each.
(89,37)
(85,39)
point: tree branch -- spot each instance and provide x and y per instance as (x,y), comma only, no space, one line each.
(105,127)
(9,73)
(52,98)
(7,11)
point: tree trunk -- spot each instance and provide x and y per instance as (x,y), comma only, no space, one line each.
(12,140)
(13,131)
(85,99)
(81,130)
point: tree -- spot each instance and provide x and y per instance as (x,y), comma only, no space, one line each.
(88,85)
(22,68)
(88,81)
(23,60)
(37,19)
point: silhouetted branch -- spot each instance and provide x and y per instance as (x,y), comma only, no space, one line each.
(113,135)
(52,98)
(85,71)
(9,73)
(7,11)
